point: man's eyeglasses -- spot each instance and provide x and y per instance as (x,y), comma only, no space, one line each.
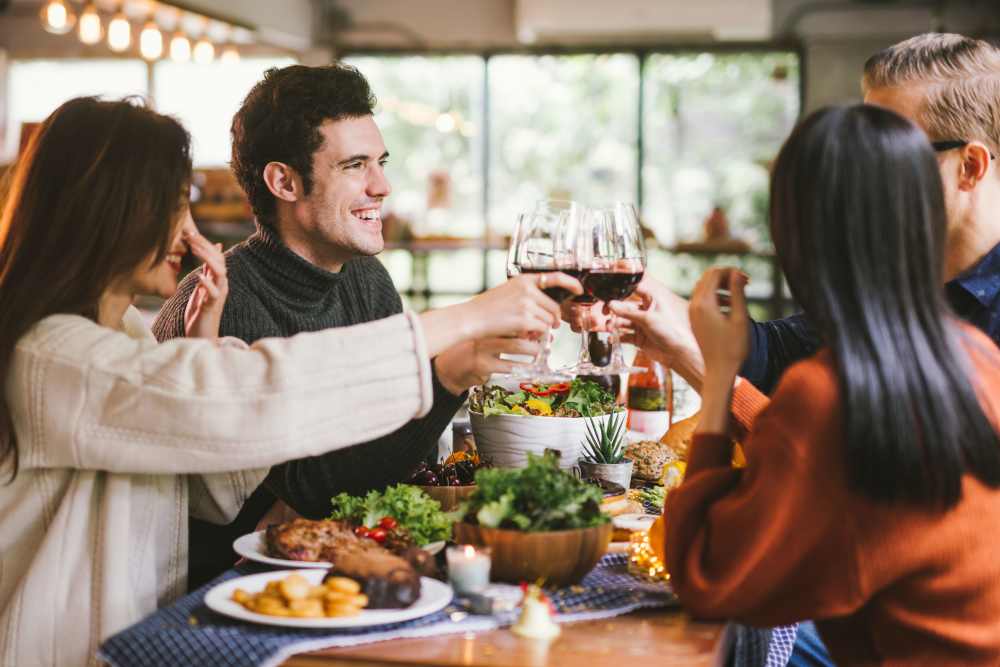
(950,144)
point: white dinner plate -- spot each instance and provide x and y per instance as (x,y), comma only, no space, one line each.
(253,547)
(635,522)
(434,596)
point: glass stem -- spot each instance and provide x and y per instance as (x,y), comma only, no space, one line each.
(542,359)
(584,356)
(617,358)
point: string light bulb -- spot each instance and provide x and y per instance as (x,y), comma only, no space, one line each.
(89,29)
(180,48)
(119,32)
(230,56)
(204,52)
(151,41)
(57,17)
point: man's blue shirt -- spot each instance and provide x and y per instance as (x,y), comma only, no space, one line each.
(974,295)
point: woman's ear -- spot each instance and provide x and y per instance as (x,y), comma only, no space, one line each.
(283,181)
(975,164)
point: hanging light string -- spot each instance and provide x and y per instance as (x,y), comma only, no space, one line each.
(59,17)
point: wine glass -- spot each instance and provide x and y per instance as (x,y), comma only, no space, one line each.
(581,236)
(618,263)
(546,242)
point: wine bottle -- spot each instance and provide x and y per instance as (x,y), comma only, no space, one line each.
(650,397)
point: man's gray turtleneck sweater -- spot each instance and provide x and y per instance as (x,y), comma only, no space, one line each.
(274,292)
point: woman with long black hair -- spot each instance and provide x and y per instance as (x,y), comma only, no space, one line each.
(107,439)
(872,484)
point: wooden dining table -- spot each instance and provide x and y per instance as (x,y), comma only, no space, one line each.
(640,639)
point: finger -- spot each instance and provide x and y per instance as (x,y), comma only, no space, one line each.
(559,279)
(494,346)
(737,297)
(200,247)
(540,311)
(554,314)
(209,286)
(503,365)
(704,294)
(630,312)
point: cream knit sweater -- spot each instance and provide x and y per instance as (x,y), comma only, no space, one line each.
(119,438)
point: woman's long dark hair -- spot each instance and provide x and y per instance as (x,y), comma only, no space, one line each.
(97,192)
(858,220)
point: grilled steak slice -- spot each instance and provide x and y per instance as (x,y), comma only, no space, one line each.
(389,581)
(303,539)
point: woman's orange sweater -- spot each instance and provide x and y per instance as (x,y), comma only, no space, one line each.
(785,539)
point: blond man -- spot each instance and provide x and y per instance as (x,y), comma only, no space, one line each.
(949,85)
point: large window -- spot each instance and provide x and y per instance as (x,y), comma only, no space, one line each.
(430,115)
(561,127)
(570,126)
(205,97)
(36,87)
(712,123)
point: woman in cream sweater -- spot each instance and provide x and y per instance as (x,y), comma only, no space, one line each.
(108,439)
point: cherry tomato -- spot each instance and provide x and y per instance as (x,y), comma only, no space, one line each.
(388,523)
(361,531)
(377,534)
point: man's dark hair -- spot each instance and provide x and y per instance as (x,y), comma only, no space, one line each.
(279,121)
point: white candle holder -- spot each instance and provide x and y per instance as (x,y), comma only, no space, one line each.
(468,568)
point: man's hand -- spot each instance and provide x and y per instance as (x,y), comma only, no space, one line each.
(659,325)
(471,363)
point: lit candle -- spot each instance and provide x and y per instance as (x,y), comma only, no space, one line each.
(468,568)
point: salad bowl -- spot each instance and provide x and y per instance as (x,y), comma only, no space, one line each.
(506,433)
(558,557)
(508,439)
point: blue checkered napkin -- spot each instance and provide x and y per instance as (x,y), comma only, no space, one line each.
(763,647)
(188,633)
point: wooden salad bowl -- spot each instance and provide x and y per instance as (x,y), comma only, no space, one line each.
(449,496)
(558,558)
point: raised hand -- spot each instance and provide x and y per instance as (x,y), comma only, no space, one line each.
(658,323)
(518,306)
(204,309)
(472,363)
(721,334)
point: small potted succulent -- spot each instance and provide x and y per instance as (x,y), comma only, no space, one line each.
(604,451)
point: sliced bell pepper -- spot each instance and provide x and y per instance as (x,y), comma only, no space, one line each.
(534,390)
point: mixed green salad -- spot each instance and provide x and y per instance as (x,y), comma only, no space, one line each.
(579,398)
(408,505)
(536,498)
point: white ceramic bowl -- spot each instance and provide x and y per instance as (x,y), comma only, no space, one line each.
(506,440)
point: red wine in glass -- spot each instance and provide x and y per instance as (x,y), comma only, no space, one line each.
(611,285)
(581,275)
(557,294)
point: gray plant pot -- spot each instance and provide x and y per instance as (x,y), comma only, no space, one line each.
(619,473)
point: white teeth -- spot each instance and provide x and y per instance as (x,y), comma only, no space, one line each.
(368,215)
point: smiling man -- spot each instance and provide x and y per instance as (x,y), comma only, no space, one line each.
(309,156)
